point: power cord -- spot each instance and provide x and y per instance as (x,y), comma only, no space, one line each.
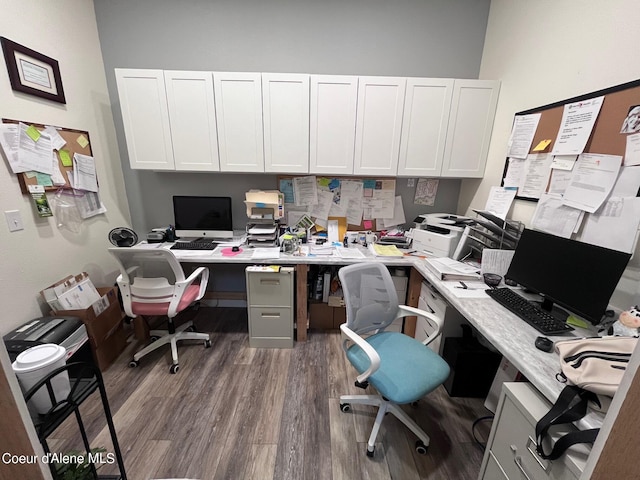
(473,429)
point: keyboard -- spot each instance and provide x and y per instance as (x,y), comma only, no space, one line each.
(539,319)
(194,246)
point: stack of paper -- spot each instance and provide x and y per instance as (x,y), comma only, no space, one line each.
(384,250)
(448,269)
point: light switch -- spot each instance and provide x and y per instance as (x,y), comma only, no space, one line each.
(14,220)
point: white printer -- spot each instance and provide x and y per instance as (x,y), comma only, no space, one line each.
(438,234)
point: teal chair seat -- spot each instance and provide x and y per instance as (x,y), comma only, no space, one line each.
(408,369)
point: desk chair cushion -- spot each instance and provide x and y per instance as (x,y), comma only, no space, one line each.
(143,308)
(408,369)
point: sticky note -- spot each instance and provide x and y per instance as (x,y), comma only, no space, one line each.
(82,141)
(335,183)
(33,133)
(44,179)
(542,145)
(65,158)
(369,183)
(577,322)
(323,182)
(367,224)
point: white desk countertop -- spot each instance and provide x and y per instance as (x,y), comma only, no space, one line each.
(504,330)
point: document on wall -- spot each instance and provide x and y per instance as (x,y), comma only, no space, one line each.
(564,162)
(34,150)
(559,182)
(524,128)
(9,144)
(426,191)
(552,216)
(632,152)
(398,215)
(351,197)
(322,207)
(628,183)
(575,128)
(535,176)
(305,191)
(515,173)
(592,180)
(620,215)
(500,200)
(84,173)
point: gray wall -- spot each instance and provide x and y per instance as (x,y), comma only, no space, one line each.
(421,38)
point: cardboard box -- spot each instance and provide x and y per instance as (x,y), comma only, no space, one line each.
(339,316)
(101,317)
(320,316)
(270,199)
(71,293)
(111,347)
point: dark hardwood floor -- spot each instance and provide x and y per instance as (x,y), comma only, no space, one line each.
(233,412)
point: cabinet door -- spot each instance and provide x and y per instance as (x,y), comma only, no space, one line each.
(333,123)
(473,109)
(145,117)
(285,111)
(378,125)
(193,120)
(239,120)
(424,126)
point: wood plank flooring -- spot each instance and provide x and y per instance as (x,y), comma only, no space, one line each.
(233,412)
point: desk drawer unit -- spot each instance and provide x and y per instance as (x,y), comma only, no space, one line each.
(511,449)
(270,307)
(400,283)
(431,301)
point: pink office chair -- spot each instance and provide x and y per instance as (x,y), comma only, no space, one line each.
(152,282)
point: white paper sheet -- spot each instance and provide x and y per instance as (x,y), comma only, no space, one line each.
(57,142)
(524,128)
(620,215)
(475,289)
(351,201)
(564,162)
(559,182)
(34,155)
(266,252)
(321,209)
(552,216)
(628,183)
(500,200)
(592,180)
(9,144)
(575,128)
(398,215)
(305,191)
(426,191)
(496,261)
(535,176)
(632,152)
(84,173)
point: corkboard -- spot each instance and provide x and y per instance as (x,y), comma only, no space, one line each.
(71,136)
(605,137)
(350,227)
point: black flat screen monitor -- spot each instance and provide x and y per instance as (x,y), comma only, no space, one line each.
(577,276)
(208,217)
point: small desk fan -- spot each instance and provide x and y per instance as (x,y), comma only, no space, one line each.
(123,237)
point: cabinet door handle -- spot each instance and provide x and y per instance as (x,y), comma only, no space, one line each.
(270,315)
(518,461)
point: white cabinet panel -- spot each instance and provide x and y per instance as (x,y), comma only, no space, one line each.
(378,125)
(424,126)
(145,117)
(193,120)
(285,103)
(333,123)
(473,109)
(239,120)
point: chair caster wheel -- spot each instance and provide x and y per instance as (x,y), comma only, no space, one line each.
(134,363)
(174,368)
(345,407)
(370,452)
(207,344)
(421,448)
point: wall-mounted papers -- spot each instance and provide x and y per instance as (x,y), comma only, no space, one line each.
(575,128)
(524,128)
(592,180)
(34,152)
(632,152)
(619,215)
(500,200)
(552,216)
(426,191)
(305,191)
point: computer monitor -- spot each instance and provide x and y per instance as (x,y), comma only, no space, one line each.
(208,217)
(577,276)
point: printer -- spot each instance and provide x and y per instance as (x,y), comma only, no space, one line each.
(438,234)
(68,332)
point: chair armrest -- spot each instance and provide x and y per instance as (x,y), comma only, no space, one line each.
(407,311)
(202,272)
(374,358)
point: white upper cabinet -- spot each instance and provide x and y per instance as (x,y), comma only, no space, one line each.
(424,126)
(239,120)
(378,125)
(145,117)
(193,120)
(333,124)
(285,112)
(473,109)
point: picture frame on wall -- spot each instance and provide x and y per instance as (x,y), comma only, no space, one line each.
(32,72)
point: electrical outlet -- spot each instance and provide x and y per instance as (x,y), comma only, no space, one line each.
(14,220)
(411,182)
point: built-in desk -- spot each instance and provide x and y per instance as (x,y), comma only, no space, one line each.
(503,329)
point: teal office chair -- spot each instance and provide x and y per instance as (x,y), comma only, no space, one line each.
(152,282)
(399,367)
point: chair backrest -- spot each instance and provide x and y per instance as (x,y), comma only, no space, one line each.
(147,275)
(369,295)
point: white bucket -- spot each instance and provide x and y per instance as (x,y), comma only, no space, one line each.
(36,363)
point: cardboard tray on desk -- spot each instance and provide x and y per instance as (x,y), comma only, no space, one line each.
(103,321)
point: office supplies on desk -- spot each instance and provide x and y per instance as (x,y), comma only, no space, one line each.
(384,250)
(536,317)
(448,269)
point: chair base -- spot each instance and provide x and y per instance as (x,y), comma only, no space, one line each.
(164,337)
(385,406)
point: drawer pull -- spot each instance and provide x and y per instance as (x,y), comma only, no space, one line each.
(270,315)
(518,461)
(269,281)
(531,446)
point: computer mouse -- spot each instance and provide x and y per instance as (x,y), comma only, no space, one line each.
(544,344)
(235,249)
